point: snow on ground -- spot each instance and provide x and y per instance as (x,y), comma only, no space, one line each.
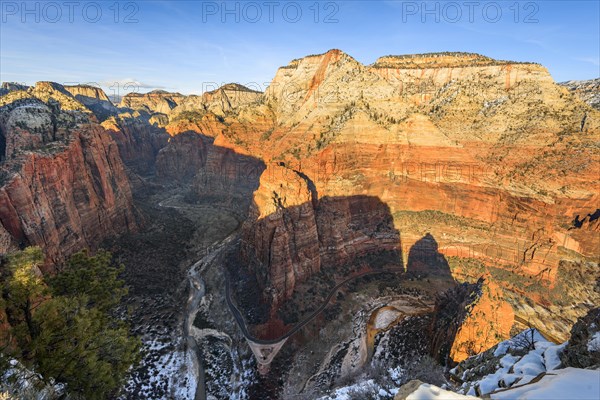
(514,367)
(18,382)
(594,343)
(385,317)
(552,356)
(368,389)
(561,384)
(169,373)
(431,392)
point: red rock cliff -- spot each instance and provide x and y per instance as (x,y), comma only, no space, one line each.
(64,185)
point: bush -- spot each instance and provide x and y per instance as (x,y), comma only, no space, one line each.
(426,370)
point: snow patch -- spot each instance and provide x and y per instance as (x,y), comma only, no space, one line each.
(552,356)
(568,383)
(594,343)
(385,317)
(431,392)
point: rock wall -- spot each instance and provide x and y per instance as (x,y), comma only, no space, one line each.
(139,142)
(69,200)
(64,185)
(491,158)
(292,233)
(157,101)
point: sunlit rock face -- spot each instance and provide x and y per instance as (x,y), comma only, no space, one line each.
(95,99)
(64,185)
(489,160)
(492,158)
(158,101)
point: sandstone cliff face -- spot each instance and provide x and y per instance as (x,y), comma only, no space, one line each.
(64,185)
(292,233)
(139,142)
(220,101)
(492,158)
(157,101)
(489,321)
(93,98)
(451,309)
(182,158)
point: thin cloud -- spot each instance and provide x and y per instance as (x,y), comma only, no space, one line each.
(592,60)
(129,82)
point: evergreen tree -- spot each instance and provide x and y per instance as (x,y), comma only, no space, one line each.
(93,276)
(62,327)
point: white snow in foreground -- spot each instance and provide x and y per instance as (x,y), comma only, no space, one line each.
(366,388)
(518,370)
(431,392)
(594,343)
(552,356)
(567,384)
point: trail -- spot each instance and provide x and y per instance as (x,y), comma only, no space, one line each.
(242,323)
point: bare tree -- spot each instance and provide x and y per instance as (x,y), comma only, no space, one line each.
(525,340)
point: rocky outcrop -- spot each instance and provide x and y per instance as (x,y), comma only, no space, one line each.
(64,185)
(95,99)
(291,232)
(220,101)
(205,123)
(156,101)
(451,309)
(583,349)
(588,91)
(11,86)
(490,319)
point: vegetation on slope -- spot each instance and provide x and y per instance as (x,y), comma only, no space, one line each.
(63,326)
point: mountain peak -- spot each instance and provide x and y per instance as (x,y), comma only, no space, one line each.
(233,87)
(447,59)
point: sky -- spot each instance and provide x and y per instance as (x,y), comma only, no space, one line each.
(194,46)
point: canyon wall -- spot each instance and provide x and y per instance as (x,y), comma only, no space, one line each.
(336,160)
(492,158)
(64,186)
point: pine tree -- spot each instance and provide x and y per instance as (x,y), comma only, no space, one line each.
(63,326)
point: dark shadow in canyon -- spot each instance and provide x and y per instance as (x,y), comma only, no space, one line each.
(312,246)
(189,193)
(176,182)
(287,263)
(350,240)
(451,305)
(424,258)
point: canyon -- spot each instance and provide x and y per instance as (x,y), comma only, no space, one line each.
(475,176)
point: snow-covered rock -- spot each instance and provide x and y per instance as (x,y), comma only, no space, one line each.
(568,383)
(431,392)
(516,361)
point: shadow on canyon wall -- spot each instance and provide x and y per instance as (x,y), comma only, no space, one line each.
(318,243)
(189,162)
(424,258)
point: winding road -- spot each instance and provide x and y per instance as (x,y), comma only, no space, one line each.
(266,349)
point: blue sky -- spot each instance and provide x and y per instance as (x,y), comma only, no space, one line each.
(192,46)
